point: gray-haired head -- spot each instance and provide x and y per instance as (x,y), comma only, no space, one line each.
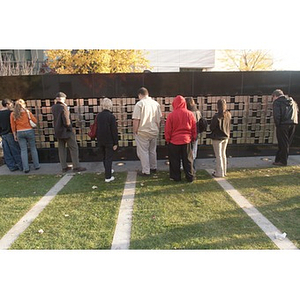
(107,104)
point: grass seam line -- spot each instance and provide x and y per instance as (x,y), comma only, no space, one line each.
(8,239)
(121,239)
(266,226)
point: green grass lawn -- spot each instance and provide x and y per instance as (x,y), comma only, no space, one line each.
(79,217)
(275,192)
(170,215)
(18,193)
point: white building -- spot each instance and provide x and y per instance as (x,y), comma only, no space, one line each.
(180,60)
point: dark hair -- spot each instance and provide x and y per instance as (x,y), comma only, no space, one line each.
(5,102)
(143,91)
(222,107)
(278,93)
(190,104)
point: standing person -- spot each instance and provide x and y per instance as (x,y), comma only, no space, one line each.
(285,113)
(146,121)
(107,137)
(220,133)
(23,133)
(64,134)
(191,105)
(180,131)
(11,148)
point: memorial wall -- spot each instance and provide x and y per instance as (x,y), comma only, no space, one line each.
(247,95)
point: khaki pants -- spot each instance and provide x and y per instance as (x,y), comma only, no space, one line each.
(146,152)
(220,153)
(62,151)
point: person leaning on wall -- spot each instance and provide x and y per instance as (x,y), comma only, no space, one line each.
(285,114)
(64,134)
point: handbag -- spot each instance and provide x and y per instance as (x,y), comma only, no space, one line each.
(32,124)
(93,129)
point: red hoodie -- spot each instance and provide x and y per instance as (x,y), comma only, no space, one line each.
(181,124)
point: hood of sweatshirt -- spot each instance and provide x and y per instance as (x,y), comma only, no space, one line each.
(179,102)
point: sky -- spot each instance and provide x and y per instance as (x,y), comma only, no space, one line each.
(286,59)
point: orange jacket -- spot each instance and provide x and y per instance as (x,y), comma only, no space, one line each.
(22,123)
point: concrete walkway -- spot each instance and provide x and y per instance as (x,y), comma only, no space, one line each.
(125,166)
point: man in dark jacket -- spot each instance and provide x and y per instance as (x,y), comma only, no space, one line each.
(64,134)
(285,113)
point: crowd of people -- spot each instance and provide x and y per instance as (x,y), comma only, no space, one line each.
(182,130)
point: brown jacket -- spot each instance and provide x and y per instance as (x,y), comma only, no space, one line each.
(62,121)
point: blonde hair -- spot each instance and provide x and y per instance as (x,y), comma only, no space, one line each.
(107,104)
(19,107)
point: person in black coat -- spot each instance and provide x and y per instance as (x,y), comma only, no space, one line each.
(285,113)
(107,137)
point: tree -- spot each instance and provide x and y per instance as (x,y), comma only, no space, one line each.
(96,61)
(247,60)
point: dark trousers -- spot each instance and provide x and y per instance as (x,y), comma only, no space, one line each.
(178,153)
(285,134)
(106,153)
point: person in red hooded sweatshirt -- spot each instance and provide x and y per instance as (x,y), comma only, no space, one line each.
(180,131)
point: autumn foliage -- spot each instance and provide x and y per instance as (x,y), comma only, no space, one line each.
(96,61)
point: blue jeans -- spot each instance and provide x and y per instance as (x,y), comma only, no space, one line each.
(11,152)
(24,137)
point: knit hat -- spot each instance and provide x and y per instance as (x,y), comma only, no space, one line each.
(61,95)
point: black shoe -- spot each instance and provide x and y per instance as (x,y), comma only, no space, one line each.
(153,171)
(177,180)
(15,169)
(79,169)
(278,164)
(213,174)
(143,174)
(37,168)
(27,171)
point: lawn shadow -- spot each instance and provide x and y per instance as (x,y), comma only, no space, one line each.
(212,234)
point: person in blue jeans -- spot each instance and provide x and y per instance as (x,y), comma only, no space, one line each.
(23,133)
(11,148)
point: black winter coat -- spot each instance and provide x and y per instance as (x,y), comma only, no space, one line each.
(107,131)
(285,111)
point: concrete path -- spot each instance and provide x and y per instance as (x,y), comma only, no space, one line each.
(125,166)
(121,240)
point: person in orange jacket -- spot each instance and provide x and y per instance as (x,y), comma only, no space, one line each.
(24,133)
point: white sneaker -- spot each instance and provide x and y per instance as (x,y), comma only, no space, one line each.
(110,179)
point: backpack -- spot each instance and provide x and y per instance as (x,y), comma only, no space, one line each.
(202,125)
